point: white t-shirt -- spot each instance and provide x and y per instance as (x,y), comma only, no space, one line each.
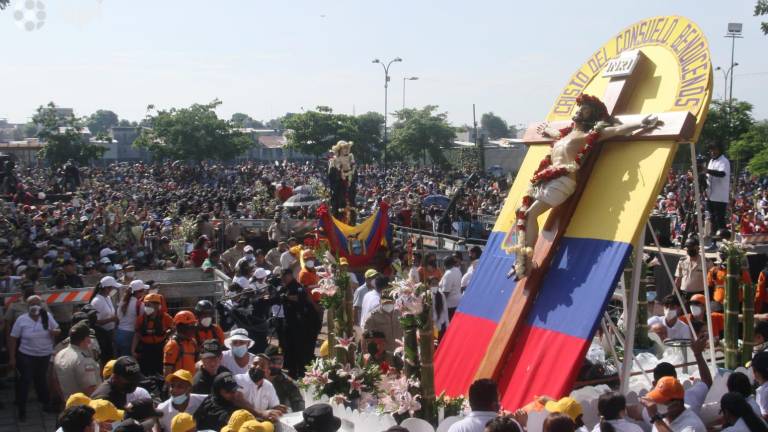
(370,302)
(450,285)
(287,260)
(761,395)
(679,329)
(128,319)
(360,292)
(739,426)
(687,421)
(695,396)
(228,361)
(475,421)
(35,340)
(467,278)
(718,187)
(166,407)
(261,397)
(621,425)
(104,309)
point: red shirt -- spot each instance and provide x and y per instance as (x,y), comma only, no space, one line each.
(284,192)
(198,256)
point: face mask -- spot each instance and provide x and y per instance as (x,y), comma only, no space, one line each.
(256,374)
(206,322)
(310,264)
(180,399)
(154,290)
(275,371)
(388,307)
(670,314)
(696,310)
(662,409)
(240,350)
(35,310)
(149,310)
(129,274)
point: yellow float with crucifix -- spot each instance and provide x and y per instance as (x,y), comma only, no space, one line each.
(582,195)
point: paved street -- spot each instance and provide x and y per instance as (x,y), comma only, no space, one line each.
(37,420)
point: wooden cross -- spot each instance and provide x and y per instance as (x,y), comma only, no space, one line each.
(625,73)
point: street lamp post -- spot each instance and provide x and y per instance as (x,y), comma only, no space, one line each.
(386,90)
(404,80)
(726,74)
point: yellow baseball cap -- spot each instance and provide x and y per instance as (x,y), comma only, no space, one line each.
(105,411)
(181,374)
(107,371)
(371,273)
(567,406)
(256,426)
(77,399)
(183,422)
(238,418)
(343,261)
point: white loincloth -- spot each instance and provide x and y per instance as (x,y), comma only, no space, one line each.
(555,192)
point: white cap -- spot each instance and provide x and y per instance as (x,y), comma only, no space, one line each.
(138,285)
(105,260)
(248,248)
(106,251)
(261,273)
(238,335)
(109,281)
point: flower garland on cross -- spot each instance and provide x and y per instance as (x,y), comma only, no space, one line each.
(547,172)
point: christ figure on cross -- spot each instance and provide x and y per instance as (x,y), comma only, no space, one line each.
(555,179)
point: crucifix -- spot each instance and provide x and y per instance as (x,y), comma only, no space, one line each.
(561,179)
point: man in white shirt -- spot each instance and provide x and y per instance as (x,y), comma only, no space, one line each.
(372,300)
(718,187)
(484,402)
(361,291)
(670,393)
(450,285)
(669,326)
(181,399)
(257,390)
(474,257)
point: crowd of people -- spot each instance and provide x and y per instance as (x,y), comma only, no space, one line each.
(130,359)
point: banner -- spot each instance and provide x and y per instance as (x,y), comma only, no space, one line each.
(359,243)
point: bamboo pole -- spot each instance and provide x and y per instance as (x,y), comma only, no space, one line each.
(732,310)
(748,322)
(426,352)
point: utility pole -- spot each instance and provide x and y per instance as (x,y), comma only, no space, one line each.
(478,142)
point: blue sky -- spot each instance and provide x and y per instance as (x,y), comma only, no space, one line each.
(267,58)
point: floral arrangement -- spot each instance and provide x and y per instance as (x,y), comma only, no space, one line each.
(397,395)
(342,383)
(452,406)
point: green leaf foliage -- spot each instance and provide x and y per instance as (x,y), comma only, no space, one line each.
(421,131)
(62,137)
(192,134)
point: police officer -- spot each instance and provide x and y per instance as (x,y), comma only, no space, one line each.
(76,369)
(286,388)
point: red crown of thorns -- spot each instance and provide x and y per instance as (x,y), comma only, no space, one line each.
(600,111)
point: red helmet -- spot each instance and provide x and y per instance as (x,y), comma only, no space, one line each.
(185,317)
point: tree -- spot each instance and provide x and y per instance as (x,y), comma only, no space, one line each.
(315,131)
(4,4)
(63,138)
(494,125)
(750,143)
(761,8)
(245,121)
(192,134)
(418,132)
(757,137)
(127,123)
(724,124)
(367,138)
(101,121)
